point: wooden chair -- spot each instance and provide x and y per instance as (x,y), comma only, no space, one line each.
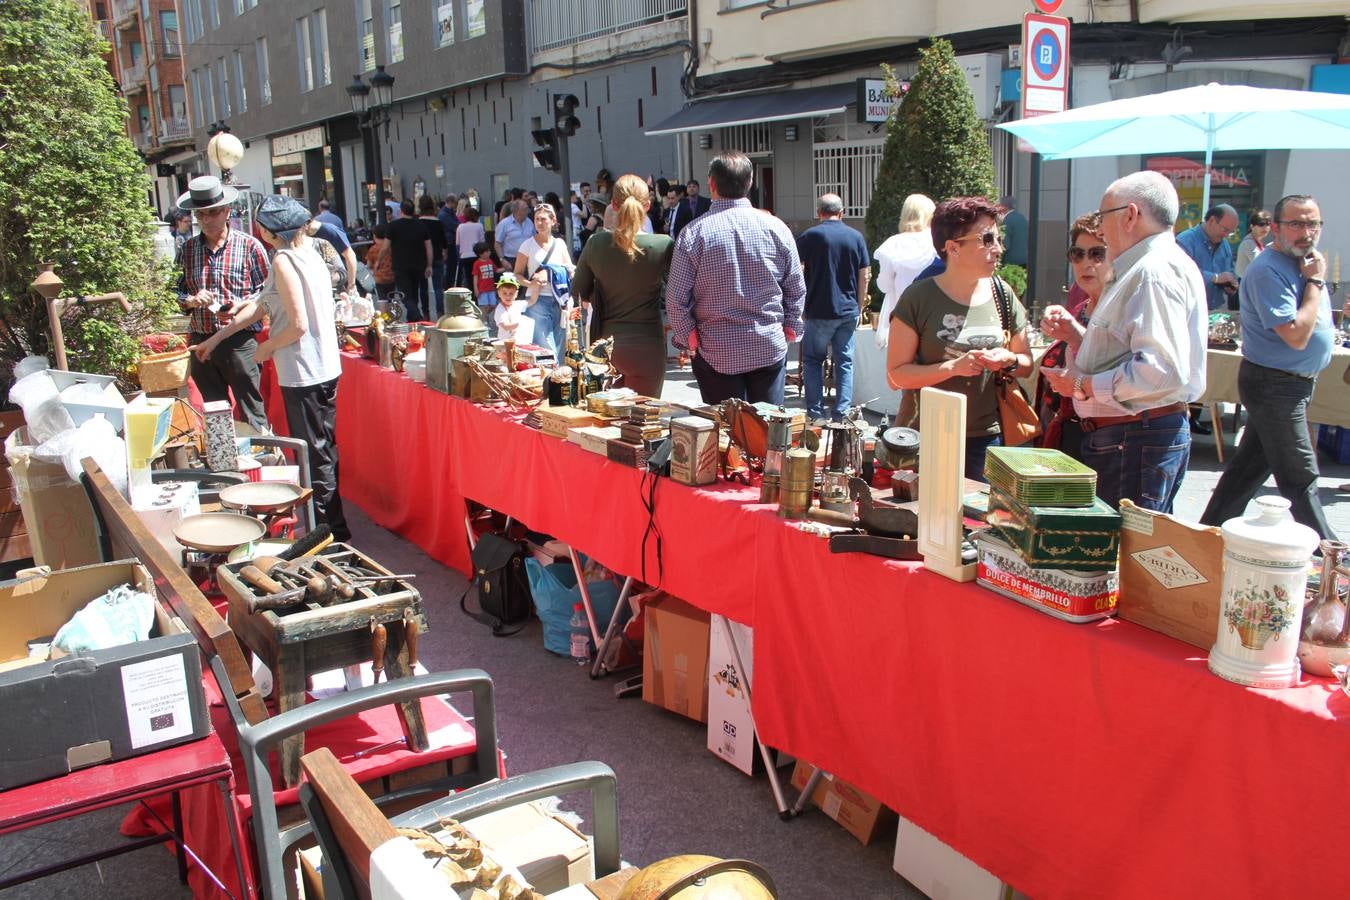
(350,827)
(123,535)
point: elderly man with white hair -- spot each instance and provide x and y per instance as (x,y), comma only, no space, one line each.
(1141,359)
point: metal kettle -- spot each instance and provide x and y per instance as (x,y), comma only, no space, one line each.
(461,313)
(1324,640)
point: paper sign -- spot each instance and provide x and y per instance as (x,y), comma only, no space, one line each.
(1168,567)
(156,696)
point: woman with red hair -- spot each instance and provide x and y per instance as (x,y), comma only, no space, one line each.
(960,329)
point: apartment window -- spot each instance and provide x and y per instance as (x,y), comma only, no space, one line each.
(323,67)
(137,53)
(395,20)
(223,78)
(445,23)
(191,19)
(366,35)
(241,93)
(177,102)
(264,72)
(196,80)
(304,54)
(101,11)
(168,32)
(475,19)
(143,117)
(213,13)
(238,7)
(849,169)
(209,94)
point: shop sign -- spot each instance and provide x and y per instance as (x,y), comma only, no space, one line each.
(875,103)
(298,141)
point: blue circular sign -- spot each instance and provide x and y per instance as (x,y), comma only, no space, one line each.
(1046,55)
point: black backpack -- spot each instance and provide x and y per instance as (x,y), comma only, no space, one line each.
(503,588)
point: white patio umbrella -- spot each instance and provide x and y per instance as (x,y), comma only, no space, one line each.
(1206,119)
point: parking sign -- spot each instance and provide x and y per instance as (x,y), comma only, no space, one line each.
(1045,64)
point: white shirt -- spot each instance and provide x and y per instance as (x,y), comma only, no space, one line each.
(512,323)
(901,257)
(1146,341)
(535,254)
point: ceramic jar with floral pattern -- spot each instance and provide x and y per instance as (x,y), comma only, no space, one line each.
(1266,555)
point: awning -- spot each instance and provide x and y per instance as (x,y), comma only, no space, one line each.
(744,109)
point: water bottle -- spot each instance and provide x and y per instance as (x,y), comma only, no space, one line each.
(581,636)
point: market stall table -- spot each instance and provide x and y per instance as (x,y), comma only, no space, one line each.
(1069,760)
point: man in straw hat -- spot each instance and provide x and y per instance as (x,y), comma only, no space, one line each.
(221,268)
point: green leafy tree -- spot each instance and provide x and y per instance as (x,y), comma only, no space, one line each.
(74,193)
(935,143)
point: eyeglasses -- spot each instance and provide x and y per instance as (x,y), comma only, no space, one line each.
(1096,254)
(988,238)
(1301,224)
(1101,212)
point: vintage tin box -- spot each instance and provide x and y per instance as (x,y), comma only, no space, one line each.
(1075,596)
(693,456)
(1038,477)
(556,420)
(1056,537)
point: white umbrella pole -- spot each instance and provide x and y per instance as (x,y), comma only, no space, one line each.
(1209,166)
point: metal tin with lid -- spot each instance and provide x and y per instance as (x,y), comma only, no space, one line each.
(1265,573)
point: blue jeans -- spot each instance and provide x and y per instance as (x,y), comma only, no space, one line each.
(1276,442)
(549,330)
(976,444)
(1143,461)
(828,336)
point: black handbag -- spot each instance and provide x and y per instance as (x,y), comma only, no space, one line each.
(499,576)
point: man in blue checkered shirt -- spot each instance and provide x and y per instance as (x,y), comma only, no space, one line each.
(735,292)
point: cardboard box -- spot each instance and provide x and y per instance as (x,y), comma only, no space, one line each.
(675,658)
(56,509)
(939,871)
(1171,575)
(549,852)
(556,421)
(731,727)
(91,707)
(861,814)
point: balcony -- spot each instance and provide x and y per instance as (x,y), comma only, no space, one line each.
(560,23)
(104,30)
(133,78)
(125,12)
(174,130)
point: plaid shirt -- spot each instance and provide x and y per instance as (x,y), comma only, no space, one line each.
(235,272)
(736,278)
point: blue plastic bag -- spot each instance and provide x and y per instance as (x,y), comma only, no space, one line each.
(554,588)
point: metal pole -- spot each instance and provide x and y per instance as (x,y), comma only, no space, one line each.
(564,167)
(1033,226)
(380,207)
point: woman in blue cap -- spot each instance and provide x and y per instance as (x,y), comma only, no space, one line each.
(302,342)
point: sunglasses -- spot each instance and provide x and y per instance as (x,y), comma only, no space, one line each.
(1096,254)
(988,238)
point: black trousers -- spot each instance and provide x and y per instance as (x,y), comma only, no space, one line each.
(231,367)
(311,415)
(416,296)
(756,386)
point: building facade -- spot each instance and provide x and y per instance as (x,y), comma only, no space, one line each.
(145,59)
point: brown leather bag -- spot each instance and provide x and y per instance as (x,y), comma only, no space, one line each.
(1016,416)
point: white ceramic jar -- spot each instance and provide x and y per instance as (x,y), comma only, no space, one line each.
(1266,556)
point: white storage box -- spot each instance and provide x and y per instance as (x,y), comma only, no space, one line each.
(939,871)
(111,404)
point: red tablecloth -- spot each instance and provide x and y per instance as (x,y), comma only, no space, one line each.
(1071,760)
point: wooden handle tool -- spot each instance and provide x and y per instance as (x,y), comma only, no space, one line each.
(410,634)
(379,639)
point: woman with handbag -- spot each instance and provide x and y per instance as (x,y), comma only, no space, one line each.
(1065,325)
(533,260)
(965,331)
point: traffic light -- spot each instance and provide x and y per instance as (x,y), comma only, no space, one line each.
(546,148)
(564,118)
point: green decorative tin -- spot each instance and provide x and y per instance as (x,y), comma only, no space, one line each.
(1084,538)
(1036,476)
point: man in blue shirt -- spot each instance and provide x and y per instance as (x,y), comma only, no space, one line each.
(835,264)
(1207,244)
(1286,342)
(328,216)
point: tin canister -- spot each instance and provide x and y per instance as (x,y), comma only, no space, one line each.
(769,488)
(794,496)
(777,442)
(562,387)
(693,450)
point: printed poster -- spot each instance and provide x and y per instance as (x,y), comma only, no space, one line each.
(477,16)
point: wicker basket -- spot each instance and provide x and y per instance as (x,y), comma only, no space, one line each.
(164,371)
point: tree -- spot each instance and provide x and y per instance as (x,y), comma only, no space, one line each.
(935,143)
(74,189)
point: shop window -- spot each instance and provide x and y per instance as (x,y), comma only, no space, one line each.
(445,23)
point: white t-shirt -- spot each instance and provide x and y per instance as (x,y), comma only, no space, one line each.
(535,254)
(512,323)
(468,234)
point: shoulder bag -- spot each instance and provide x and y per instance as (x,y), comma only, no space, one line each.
(1015,415)
(503,588)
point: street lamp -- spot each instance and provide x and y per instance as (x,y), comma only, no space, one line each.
(375,111)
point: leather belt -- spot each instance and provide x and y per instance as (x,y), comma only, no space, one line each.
(1095,422)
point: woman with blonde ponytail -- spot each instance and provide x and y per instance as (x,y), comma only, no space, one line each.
(621,276)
